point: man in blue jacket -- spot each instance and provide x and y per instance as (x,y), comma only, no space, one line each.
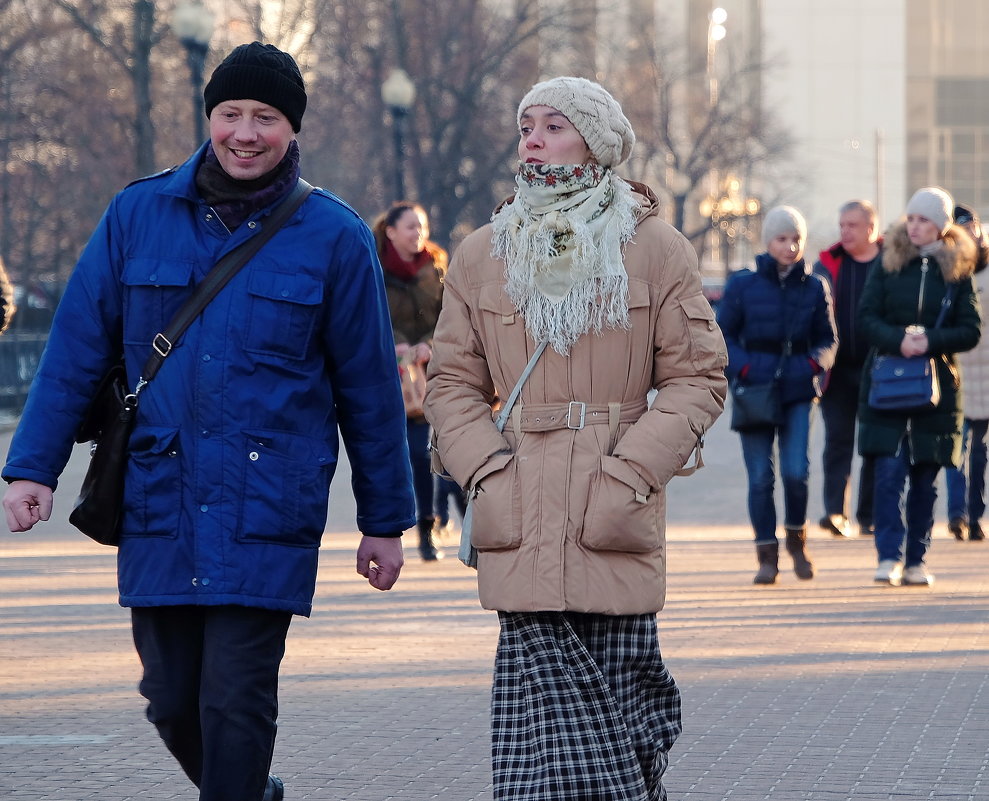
(236,438)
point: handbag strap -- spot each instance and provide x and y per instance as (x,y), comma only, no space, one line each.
(507,408)
(949,298)
(215,280)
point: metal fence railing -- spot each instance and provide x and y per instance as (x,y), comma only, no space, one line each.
(20,353)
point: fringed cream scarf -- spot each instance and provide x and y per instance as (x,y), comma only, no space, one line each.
(561,240)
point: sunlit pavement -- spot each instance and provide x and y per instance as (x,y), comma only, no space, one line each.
(828,689)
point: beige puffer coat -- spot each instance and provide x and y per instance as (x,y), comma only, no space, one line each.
(975,363)
(563,519)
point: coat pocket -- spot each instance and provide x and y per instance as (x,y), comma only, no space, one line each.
(153,483)
(286,482)
(282,313)
(706,341)
(154,289)
(622,513)
(497,507)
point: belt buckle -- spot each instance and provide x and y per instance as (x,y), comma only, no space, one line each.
(582,410)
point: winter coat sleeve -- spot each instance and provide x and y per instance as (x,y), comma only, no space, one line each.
(460,385)
(824,334)
(963,326)
(85,339)
(688,374)
(366,390)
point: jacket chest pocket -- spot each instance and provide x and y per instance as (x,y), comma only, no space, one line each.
(154,289)
(282,312)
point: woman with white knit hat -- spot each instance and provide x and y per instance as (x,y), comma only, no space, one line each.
(924,256)
(568,500)
(779,326)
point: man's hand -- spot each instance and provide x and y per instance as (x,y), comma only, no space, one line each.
(385,553)
(26,502)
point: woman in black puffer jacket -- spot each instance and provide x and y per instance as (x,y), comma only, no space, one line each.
(900,305)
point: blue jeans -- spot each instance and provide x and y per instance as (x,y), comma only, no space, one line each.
(892,473)
(967,486)
(422,480)
(759,456)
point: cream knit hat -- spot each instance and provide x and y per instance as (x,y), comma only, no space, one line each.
(935,204)
(783,220)
(595,114)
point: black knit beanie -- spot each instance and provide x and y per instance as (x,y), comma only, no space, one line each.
(259,72)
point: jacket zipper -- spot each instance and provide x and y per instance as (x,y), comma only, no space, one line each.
(923,281)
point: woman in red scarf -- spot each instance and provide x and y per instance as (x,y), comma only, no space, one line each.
(414,268)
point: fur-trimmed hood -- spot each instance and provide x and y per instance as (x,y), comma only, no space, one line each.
(957,259)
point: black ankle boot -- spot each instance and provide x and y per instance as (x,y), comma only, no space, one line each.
(427,549)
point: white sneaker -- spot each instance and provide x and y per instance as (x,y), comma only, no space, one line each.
(889,572)
(918,576)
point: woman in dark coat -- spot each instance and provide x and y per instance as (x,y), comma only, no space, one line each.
(900,304)
(414,268)
(779,317)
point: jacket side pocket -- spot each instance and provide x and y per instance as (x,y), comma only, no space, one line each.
(623,514)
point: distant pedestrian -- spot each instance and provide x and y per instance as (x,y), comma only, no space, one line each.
(923,256)
(967,484)
(845,266)
(236,440)
(7,307)
(569,500)
(778,322)
(414,270)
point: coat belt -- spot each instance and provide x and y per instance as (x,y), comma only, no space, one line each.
(575,414)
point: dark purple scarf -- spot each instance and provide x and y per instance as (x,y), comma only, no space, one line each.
(234,201)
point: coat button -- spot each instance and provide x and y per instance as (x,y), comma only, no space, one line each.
(195,581)
(204,508)
(252,225)
(253,456)
(206,581)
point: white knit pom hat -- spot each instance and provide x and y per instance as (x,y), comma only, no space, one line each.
(595,114)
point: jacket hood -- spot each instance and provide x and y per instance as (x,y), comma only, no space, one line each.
(957,259)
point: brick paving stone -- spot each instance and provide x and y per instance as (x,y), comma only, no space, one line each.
(834,689)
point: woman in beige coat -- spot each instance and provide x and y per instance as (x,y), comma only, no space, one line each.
(569,501)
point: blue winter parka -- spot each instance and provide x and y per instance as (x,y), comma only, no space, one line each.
(236,438)
(760,311)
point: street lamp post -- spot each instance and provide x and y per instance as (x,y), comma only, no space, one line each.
(192,23)
(730,216)
(398,93)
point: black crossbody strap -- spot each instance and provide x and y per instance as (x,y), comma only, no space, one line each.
(216,279)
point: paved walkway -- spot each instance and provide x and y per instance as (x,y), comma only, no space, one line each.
(829,690)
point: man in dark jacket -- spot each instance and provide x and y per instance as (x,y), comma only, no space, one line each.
(845,266)
(236,439)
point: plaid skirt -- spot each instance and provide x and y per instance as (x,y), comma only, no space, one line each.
(582,708)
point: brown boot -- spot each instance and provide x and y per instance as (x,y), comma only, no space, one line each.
(796,540)
(769,557)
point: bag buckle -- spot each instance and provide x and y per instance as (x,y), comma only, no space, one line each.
(582,408)
(161,345)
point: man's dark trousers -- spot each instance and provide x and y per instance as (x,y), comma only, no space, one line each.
(211,680)
(839,408)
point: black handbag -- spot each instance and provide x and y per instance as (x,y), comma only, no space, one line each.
(113,410)
(755,405)
(908,384)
